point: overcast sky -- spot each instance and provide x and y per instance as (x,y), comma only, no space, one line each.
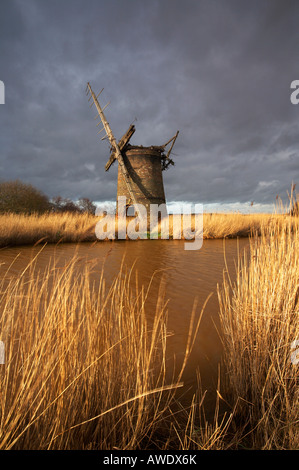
(219,71)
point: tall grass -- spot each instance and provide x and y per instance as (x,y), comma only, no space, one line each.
(85,368)
(86,365)
(259,323)
(20,229)
(233,225)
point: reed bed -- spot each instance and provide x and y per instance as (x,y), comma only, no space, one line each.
(85,368)
(18,229)
(22,229)
(260,331)
(235,225)
(86,365)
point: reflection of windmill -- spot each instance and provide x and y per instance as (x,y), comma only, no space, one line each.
(139,168)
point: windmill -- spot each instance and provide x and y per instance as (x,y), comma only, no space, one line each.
(139,168)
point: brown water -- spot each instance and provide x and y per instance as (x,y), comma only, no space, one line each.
(189,276)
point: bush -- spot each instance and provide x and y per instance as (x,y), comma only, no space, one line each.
(87,206)
(59,204)
(19,197)
(84,205)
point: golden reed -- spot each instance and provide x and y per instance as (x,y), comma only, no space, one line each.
(20,229)
(85,368)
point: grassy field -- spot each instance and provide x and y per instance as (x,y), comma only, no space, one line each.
(54,228)
(85,368)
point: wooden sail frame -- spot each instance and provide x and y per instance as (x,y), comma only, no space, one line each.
(112,140)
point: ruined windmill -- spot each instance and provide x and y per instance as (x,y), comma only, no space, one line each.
(139,168)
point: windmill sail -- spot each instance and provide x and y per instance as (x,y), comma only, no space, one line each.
(121,144)
(116,150)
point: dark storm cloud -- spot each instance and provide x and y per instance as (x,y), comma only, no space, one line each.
(219,71)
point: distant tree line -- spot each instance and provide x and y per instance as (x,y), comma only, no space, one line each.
(59,204)
(23,198)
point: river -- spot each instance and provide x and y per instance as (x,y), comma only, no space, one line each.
(188,277)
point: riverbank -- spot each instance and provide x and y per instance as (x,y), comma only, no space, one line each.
(85,368)
(19,229)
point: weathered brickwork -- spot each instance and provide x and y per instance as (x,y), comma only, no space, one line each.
(144,167)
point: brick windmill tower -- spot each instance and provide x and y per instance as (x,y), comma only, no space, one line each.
(139,168)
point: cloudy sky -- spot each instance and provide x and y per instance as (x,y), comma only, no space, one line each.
(219,71)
